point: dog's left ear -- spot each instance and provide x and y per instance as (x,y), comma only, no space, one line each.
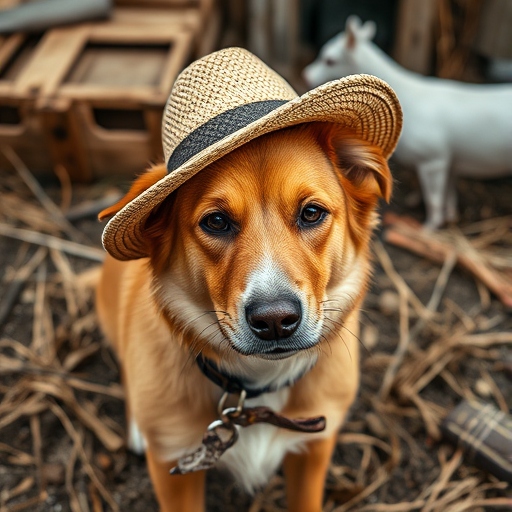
(142,183)
(360,164)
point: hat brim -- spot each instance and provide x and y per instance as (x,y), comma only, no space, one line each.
(362,103)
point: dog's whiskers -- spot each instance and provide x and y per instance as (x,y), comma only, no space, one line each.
(343,326)
(198,344)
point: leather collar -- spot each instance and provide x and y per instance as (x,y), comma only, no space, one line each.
(233,384)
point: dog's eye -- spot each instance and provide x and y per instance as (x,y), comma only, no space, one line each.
(216,223)
(311,215)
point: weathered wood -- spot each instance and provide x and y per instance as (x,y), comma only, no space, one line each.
(51,61)
(120,73)
(19,127)
(186,18)
(89,98)
(410,235)
(414,46)
(64,139)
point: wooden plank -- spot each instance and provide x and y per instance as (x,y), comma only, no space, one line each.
(136,34)
(8,47)
(259,33)
(153,119)
(114,151)
(494,37)
(415,35)
(286,22)
(25,137)
(52,60)
(136,16)
(64,140)
(209,40)
(179,4)
(114,96)
(114,66)
(159,3)
(180,53)
(91,77)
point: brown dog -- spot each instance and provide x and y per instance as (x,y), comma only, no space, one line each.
(259,263)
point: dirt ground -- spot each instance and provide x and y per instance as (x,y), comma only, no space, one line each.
(62,418)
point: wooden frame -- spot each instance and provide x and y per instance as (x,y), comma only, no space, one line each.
(62,105)
(69,99)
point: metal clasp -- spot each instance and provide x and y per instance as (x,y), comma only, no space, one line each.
(227,414)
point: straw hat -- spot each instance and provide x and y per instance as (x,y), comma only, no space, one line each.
(229,98)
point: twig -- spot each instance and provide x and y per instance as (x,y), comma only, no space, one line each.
(18,283)
(70,473)
(402,288)
(41,195)
(37,320)
(17,456)
(30,406)
(65,187)
(393,507)
(72,432)
(74,248)
(25,485)
(35,428)
(402,348)
(381,478)
(433,246)
(93,207)
(29,504)
(68,279)
(59,389)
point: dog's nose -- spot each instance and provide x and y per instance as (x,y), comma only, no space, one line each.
(273,320)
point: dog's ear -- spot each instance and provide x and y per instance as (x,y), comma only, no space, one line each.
(364,166)
(361,164)
(142,183)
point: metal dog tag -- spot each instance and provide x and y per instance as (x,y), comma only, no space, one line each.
(217,439)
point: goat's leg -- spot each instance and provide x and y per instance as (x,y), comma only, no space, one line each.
(434,182)
(451,207)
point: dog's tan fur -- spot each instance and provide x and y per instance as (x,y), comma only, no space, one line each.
(159,311)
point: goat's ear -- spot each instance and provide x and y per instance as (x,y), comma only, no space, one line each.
(142,183)
(368,30)
(361,164)
(352,26)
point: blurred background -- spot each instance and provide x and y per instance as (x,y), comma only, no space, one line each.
(83,84)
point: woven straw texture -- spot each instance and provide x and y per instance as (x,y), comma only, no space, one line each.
(231,78)
(214,84)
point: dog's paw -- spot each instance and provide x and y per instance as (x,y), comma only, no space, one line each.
(136,441)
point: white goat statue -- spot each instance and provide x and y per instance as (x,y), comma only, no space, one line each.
(450,128)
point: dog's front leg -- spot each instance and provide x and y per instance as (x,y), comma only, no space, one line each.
(176,493)
(305,475)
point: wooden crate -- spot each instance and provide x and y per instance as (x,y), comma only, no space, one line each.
(20,128)
(202,17)
(102,111)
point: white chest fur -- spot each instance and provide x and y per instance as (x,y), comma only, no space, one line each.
(261,448)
